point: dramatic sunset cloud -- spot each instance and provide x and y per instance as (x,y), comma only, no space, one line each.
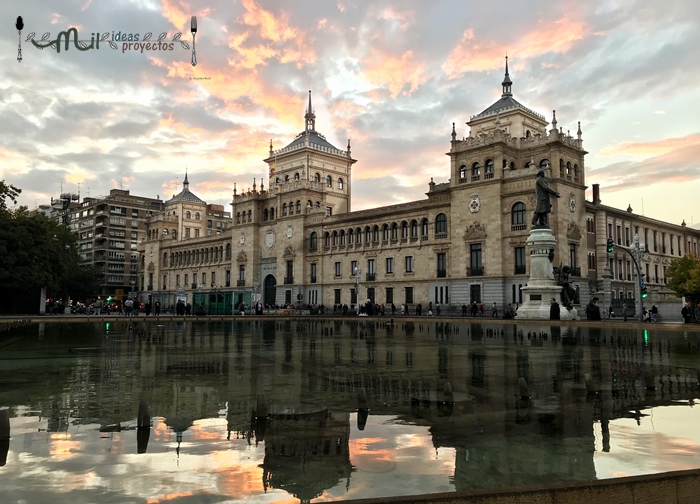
(391,76)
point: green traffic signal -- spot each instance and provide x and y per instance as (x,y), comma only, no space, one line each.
(644,292)
(611,245)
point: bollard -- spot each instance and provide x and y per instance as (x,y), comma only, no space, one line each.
(448,396)
(590,385)
(362,419)
(4,424)
(649,380)
(523,389)
(261,407)
(362,403)
(143,420)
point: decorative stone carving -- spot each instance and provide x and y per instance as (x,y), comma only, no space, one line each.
(475,231)
(573,232)
(289,252)
(475,203)
(242,257)
(532,201)
(151,266)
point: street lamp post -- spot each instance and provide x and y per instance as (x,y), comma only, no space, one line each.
(358,286)
(636,252)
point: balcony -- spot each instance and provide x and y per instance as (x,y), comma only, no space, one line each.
(518,227)
(313,279)
(441,273)
(576,271)
(440,236)
(288,280)
(488,175)
(479,271)
(240,283)
(370,277)
(475,178)
(519,269)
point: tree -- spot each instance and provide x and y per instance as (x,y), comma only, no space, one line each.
(7,191)
(683,276)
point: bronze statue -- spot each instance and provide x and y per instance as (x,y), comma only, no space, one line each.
(542,192)
(568,291)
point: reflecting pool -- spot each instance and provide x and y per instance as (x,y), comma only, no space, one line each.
(310,410)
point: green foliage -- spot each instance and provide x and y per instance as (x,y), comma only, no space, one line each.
(81,282)
(684,276)
(7,191)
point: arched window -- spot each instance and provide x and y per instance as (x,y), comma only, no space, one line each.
(340,183)
(165,258)
(462,173)
(188,215)
(286,178)
(394,231)
(197,216)
(243,215)
(517,214)
(512,165)
(351,237)
(277,180)
(165,232)
(527,134)
(544,164)
(298,206)
(375,234)
(440,224)
(561,168)
(196,256)
(329,181)
(313,241)
(488,171)
(296,176)
(309,204)
(272,213)
(327,240)
(266,215)
(424,228)
(404,229)
(568,169)
(318,204)
(335,238)
(414,229)
(228,251)
(250,216)
(385,232)
(284,209)
(476,171)
(576,175)
(358,233)
(368,235)
(317,178)
(342,237)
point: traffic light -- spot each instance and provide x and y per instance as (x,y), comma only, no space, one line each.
(611,245)
(644,292)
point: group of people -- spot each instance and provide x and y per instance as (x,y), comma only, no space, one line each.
(689,313)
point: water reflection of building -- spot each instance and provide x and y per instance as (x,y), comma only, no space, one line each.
(189,371)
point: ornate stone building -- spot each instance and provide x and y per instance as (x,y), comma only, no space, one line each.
(299,239)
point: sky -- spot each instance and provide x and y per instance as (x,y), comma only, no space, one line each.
(390,75)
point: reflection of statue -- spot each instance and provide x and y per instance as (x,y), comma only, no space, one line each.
(568,292)
(542,192)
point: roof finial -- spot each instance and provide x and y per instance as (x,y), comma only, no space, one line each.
(554,119)
(579,132)
(262,185)
(234,188)
(186,183)
(270,146)
(507,82)
(454,133)
(310,117)
(254,185)
(348,147)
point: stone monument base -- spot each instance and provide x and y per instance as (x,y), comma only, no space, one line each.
(541,287)
(537,305)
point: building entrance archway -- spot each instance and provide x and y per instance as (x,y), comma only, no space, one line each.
(270,290)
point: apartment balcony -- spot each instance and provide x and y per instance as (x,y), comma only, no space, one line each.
(288,280)
(370,277)
(519,269)
(240,283)
(441,273)
(479,271)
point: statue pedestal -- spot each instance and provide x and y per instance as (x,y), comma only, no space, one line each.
(542,287)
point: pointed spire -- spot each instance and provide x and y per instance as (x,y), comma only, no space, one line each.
(234,189)
(270,146)
(186,183)
(554,120)
(254,185)
(579,132)
(507,83)
(454,133)
(310,117)
(262,185)
(348,147)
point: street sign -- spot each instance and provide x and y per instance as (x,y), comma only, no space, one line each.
(641,282)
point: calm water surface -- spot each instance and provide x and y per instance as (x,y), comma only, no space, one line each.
(72,393)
